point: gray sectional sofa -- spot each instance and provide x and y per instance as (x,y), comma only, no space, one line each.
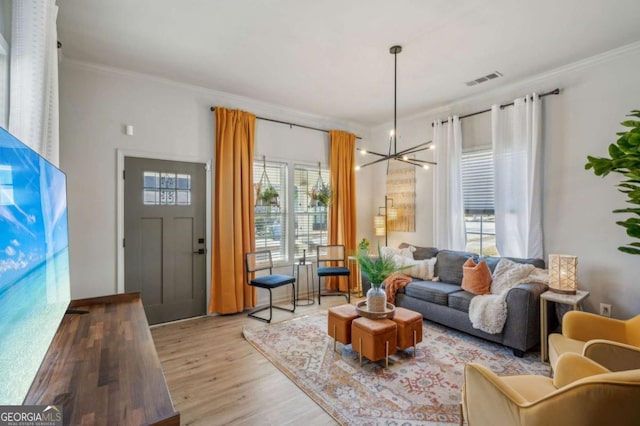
(445,302)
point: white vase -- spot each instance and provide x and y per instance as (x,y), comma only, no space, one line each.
(376,299)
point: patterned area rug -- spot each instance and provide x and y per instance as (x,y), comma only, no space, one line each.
(421,391)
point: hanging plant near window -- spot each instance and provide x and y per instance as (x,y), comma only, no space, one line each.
(269,196)
(266,194)
(625,159)
(321,194)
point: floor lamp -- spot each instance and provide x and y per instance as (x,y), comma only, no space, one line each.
(381,220)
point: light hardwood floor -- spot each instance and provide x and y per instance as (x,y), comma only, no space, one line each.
(216,378)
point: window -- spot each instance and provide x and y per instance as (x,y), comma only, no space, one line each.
(477,189)
(293,225)
(310,218)
(162,188)
(271,208)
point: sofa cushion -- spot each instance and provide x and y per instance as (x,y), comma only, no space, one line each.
(392,251)
(421,253)
(492,262)
(476,277)
(449,265)
(430,291)
(508,273)
(422,269)
(460,300)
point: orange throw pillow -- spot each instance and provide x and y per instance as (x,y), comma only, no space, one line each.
(476,278)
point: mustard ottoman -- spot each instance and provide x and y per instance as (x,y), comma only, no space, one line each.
(374,338)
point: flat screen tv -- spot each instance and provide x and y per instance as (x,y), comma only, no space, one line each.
(34,263)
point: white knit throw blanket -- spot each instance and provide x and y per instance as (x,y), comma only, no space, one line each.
(489,312)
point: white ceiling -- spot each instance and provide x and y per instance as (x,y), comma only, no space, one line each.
(331,57)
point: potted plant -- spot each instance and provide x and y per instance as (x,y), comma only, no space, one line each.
(269,197)
(325,196)
(321,197)
(377,269)
(625,159)
(363,247)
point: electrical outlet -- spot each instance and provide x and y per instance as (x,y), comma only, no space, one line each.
(605,309)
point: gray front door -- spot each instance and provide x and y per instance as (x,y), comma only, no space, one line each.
(164,237)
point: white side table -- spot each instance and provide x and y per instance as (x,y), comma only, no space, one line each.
(575,300)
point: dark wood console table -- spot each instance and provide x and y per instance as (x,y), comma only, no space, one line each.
(102,367)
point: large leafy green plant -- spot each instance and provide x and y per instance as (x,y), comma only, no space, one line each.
(378,268)
(625,159)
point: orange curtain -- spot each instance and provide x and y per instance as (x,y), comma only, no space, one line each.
(342,214)
(233,213)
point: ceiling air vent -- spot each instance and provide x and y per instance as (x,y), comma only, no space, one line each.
(482,79)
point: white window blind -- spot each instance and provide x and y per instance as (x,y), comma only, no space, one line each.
(310,221)
(270,219)
(477,181)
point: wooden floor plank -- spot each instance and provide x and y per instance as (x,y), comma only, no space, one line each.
(216,377)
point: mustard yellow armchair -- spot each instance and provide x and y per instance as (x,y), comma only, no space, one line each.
(582,393)
(612,343)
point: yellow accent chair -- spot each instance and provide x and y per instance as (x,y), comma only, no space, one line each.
(613,343)
(582,393)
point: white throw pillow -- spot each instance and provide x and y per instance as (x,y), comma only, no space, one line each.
(508,273)
(422,269)
(404,252)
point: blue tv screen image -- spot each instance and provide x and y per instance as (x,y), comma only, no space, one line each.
(34,263)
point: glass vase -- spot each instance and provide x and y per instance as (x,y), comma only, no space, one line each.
(376,299)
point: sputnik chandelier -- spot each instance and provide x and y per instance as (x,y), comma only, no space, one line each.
(406,155)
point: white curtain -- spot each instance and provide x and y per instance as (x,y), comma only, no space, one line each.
(517,150)
(33,98)
(449,231)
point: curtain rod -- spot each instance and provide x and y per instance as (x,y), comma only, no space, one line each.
(553,92)
(290,124)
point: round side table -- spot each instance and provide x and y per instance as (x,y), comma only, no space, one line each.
(308,266)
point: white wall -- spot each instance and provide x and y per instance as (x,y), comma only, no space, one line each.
(595,96)
(169,119)
(410,133)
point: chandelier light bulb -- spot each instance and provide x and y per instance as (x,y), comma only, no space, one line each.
(405,157)
(432,147)
(391,133)
(357,168)
(426,167)
(363,152)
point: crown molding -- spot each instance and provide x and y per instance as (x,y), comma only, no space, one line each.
(230,100)
(464,105)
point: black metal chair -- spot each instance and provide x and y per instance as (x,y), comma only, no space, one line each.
(260,261)
(329,255)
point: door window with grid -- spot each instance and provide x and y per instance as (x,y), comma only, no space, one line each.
(271,208)
(478,192)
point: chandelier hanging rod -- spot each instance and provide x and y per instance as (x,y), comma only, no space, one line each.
(393,153)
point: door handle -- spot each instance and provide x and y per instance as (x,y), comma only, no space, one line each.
(200,251)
